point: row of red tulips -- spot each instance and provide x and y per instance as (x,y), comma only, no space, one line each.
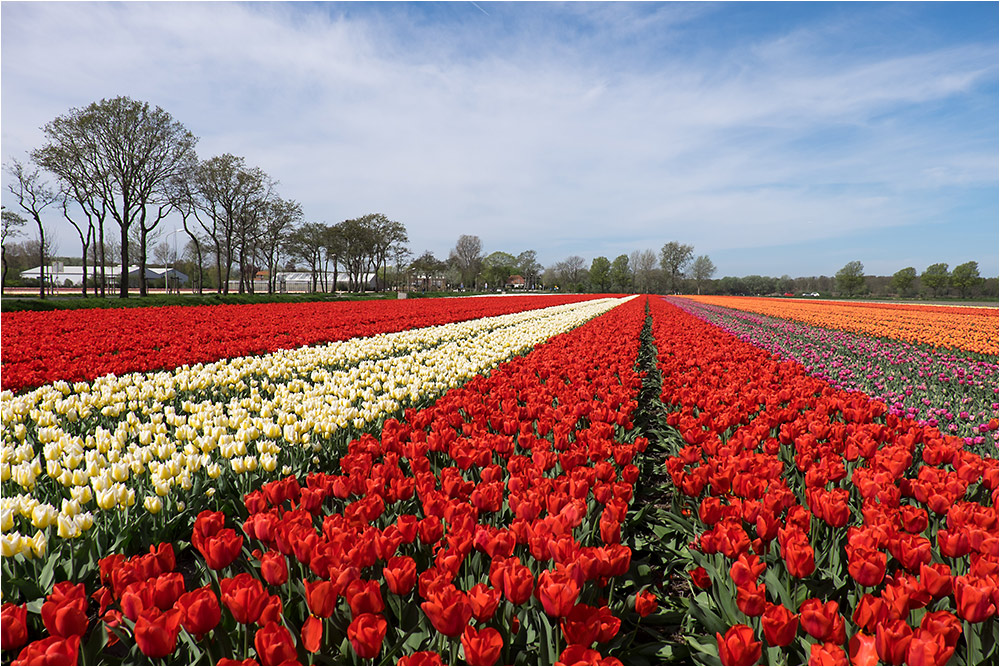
(71,345)
(488,525)
(822,529)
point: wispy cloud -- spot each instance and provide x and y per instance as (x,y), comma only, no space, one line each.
(583,129)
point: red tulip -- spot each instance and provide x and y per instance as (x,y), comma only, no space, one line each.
(449,610)
(892,639)
(799,557)
(312,634)
(13,626)
(244,596)
(206,524)
(738,647)
(751,598)
(50,651)
(484,601)
(928,648)
(936,580)
(700,578)
(820,620)
(64,612)
(275,644)
(481,647)
(869,612)
(954,543)
(400,574)
(974,598)
(866,566)
(861,650)
(645,603)
(167,588)
(272,611)
(746,569)
(321,598)
(156,632)
(557,592)
(222,548)
(943,623)
(366,633)
(574,654)
(517,583)
(420,658)
(201,610)
(827,654)
(582,625)
(364,597)
(609,625)
(274,568)
(779,625)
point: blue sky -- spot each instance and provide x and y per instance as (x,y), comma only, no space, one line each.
(777,138)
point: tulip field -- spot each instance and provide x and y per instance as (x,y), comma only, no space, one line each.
(536,480)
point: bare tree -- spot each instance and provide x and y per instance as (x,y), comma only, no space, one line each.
(34,196)
(280,218)
(12,223)
(127,152)
(467,255)
(643,263)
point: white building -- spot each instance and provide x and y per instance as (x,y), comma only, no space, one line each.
(59,274)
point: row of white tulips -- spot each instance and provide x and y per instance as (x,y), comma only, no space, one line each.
(68,448)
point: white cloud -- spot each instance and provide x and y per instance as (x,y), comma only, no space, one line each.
(533,141)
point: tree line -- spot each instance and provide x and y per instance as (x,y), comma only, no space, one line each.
(124,164)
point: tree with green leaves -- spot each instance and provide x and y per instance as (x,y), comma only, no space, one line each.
(702,270)
(674,258)
(621,274)
(965,277)
(851,278)
(936,277)
(498,267)
(131,151)
(600,273)
(903,279)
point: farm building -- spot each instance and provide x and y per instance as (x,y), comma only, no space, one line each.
(61,275)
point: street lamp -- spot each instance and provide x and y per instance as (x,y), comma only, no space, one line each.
(173,263)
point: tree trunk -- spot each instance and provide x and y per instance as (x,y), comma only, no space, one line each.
(123,286)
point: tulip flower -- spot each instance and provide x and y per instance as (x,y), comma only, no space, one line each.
(201,610)
(481,647)
(449,611)
(366,633)
(779,625)
(244,596)
(892,639)
(13,625)
(420,658)
(274,568)
(861,650)
(645,603)
(738,647)
(156,632)
(974,598)
(484,601)
(827,654)
(557,592)
(400,574)
(50,651)
(274,644)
